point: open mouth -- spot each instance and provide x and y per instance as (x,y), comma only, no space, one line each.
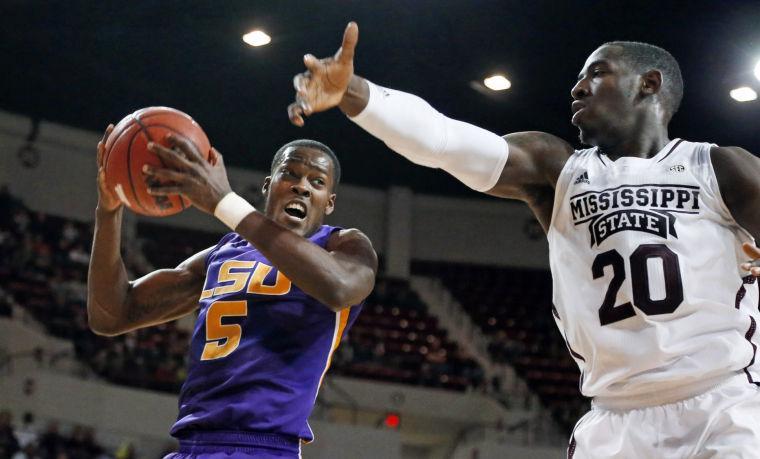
(296,209)
(576,116)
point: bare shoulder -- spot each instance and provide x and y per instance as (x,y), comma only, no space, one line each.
(726,158)
(736,169)
(535,161)
(738,174)
(348,236)
(195,265)
(353,243)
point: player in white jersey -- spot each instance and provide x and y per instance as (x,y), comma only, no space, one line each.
(649,239)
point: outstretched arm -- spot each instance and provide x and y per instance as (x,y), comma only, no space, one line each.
(114,304)
(738,174)
(411,127)
(340,275)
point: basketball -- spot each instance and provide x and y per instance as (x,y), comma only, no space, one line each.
(126,151)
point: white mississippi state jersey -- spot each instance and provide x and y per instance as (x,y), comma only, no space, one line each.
(645,256)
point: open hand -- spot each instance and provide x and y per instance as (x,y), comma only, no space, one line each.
(106,199)
(753,252)
(325,82)
(204,183)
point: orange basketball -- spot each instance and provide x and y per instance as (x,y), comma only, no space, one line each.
(126,151)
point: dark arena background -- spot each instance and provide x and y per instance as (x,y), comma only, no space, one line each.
(456,354)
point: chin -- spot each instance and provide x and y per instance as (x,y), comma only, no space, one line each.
(587,137)
(584,138)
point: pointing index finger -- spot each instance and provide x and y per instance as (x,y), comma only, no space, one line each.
(345,54)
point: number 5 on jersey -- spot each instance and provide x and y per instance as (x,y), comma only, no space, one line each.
(223,339)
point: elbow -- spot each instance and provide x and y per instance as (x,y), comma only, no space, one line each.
(102,329)
(102,326)
(341,296)
(335,303)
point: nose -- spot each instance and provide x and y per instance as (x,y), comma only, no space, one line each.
(301,189)
(580,90)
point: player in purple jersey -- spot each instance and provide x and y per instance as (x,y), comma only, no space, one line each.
(275,297)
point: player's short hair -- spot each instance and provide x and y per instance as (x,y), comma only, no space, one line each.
(308,143)
(643,57)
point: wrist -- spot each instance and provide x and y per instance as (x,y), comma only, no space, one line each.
(104,212)
(232,209)
(356,97)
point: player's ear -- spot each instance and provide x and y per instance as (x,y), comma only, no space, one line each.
(265,186)
(651,82)
(330,204)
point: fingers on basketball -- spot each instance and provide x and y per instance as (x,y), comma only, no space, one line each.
(185,147)
(172,158)
(102,144)
(164,174)
(103,189)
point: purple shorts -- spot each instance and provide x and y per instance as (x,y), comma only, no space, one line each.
(229,445)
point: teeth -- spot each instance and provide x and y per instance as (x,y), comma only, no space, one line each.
(296,206)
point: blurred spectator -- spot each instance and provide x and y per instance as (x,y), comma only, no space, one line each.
(27,452)
(27,432)
(51,442)
(126,451)
(8,204)
(8,442)
(6,304)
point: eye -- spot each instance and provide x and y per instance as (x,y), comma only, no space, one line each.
(319,181)
(598,72)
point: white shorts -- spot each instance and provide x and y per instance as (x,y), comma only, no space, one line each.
(723,422)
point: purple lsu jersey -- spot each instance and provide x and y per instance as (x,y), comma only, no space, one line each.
(259,351)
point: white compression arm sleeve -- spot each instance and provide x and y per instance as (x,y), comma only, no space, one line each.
(411,127)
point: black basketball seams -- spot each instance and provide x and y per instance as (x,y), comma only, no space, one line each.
(142,123)
(129,168)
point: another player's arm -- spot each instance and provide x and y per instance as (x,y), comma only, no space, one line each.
(411,127)
(114,304)
(738,174)
(340,275)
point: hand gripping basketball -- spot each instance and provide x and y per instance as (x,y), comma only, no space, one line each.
(106,200)
(326,80)
(203,183)
(125,152)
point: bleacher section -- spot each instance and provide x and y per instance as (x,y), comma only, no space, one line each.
(513,307)
(44,270)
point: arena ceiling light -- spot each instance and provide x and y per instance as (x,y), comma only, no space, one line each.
(257,38)
(743,94)
(497,83)
(757,70)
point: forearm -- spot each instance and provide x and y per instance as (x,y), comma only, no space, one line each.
(411,127)
(107,282)
(307,265)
